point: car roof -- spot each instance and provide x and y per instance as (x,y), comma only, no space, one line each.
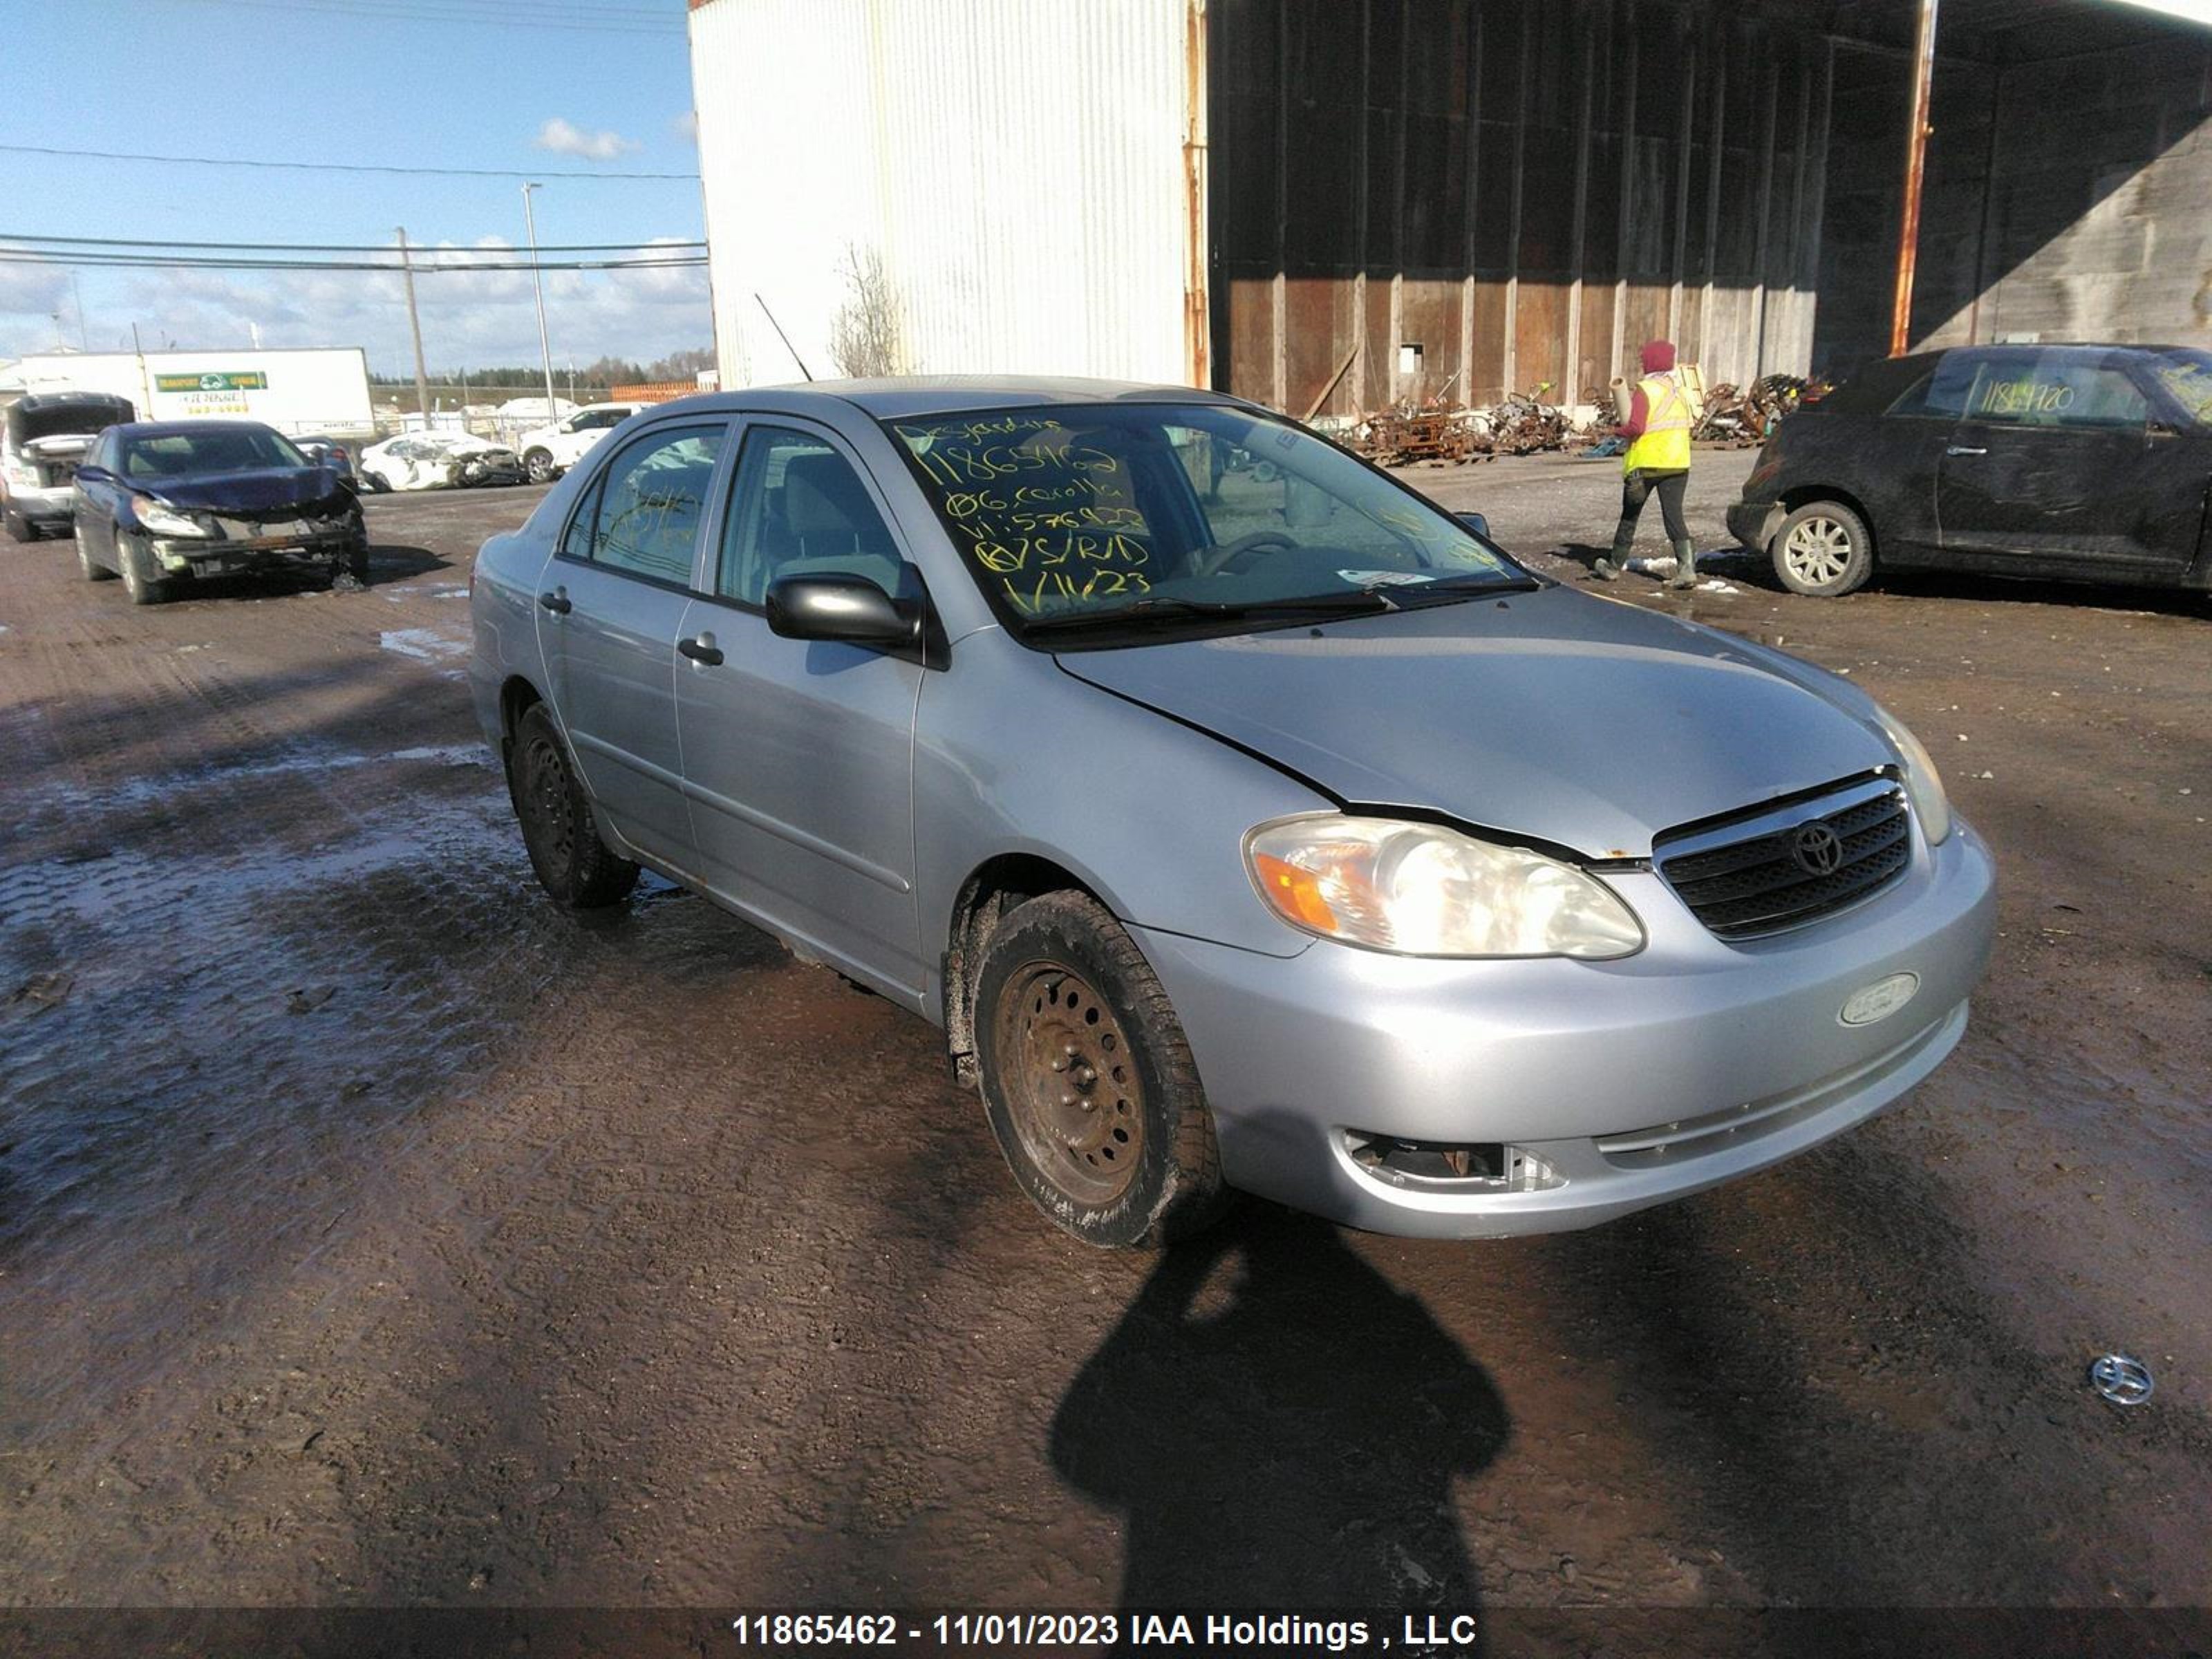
(906,396)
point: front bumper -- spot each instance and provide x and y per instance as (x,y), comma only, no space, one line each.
(1754,523)
(293,546)
(1606,1086)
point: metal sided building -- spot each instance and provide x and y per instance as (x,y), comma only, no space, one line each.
(1357,201)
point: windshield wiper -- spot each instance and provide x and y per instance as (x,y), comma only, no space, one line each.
(1355,602)
(1451,589)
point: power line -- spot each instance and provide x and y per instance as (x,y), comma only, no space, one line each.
(331,167)
(10,236)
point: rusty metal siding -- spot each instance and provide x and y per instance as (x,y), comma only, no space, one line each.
(1021,172)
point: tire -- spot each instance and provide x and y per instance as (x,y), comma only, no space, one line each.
(377,483)
(20,527)
(537,464)
(138,579)
(1088,1081)
(1822,550)
(581,872)
(355,563)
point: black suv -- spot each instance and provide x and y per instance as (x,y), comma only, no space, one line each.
(2087,462)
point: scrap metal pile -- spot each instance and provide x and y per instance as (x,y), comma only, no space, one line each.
(1521,423)
(1743,419)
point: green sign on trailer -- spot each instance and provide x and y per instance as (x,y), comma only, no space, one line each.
(250,381)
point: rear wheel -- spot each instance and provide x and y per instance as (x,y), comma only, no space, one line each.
(540,462)
(1823,550)
(1088,1080)
(582,871)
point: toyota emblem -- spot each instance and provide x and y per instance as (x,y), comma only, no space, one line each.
(1818,849)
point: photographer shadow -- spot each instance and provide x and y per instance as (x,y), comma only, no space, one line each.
(1281,1428)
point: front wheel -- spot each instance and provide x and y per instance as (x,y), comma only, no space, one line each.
(582,871)
(1823,550)
(139,580)
(20,527)
(540,464)
(1088,1080)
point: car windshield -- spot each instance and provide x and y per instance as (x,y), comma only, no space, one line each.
(2187,377)
(228,449)
(1125,514)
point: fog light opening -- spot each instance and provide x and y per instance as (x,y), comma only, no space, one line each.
(1481,1166)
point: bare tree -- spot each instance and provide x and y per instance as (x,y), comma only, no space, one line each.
(863,337)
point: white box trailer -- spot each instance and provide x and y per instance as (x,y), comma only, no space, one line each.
(315,389)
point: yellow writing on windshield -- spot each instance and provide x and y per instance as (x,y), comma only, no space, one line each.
(1054,517)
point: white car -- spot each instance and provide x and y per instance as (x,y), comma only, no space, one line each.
(434,460)
(550,450)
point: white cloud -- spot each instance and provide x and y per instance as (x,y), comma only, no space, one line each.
(566,139)
(686,126)
(473,318)
(33,290)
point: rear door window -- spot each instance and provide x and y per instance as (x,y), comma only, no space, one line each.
(652,503)
(1942,394)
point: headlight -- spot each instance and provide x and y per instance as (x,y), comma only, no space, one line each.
(1925,789)
(1419,890)
(163,519)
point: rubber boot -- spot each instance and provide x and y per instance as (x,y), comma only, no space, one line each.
(1686,566)
(1609,568)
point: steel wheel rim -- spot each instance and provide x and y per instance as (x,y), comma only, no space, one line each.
(544,793)
(1817,550)
(1070,1081)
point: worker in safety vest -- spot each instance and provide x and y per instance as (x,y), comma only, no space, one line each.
(1658,458)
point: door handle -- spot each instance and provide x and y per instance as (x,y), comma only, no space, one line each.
(702,650)
(1960,449)
(556,602)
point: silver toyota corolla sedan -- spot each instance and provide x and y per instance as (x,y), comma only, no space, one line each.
(1245,821)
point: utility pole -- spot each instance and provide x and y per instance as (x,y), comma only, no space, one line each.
(415,323)
(544,345)
(83,336)
(1915,161)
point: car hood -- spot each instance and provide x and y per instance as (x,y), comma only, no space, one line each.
(302,489)
(1588,724)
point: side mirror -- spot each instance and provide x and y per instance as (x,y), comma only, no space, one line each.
(850,610)
(94,474)
(1476,522)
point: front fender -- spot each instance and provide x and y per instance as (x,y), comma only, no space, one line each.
(1014,756)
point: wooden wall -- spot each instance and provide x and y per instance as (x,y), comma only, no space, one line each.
(1527,190)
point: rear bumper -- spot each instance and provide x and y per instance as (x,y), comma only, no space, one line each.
(48,507)
(1754,523)
(1604,1086)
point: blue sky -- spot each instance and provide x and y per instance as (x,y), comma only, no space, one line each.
(431,83)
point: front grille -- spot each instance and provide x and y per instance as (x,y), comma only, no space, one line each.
(1773,874)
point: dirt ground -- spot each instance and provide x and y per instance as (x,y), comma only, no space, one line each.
(371,1234)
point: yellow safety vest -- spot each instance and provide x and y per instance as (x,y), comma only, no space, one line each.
(1664,446)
